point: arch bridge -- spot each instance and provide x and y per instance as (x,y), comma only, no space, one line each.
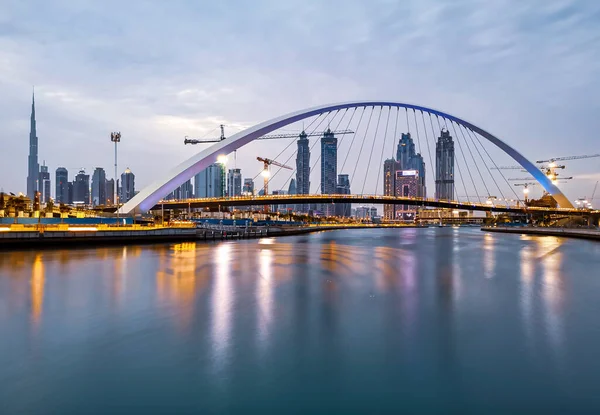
(469,155)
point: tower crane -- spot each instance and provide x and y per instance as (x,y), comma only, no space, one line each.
(265,173)
(187,140)
(526,188)
(554,159)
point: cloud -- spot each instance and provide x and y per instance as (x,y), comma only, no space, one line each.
(527,71)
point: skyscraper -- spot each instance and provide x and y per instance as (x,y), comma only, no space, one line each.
(99,187)
(343,188)
(81,188)
(248,186)
(407,185)
(33,167)
(62,185)
(409,159)
(209,182)
(444,166)
(303,168)
(328,168)
(390,167)
(127,186)
(44,184)
(234,182)
(110,191)
(185,191)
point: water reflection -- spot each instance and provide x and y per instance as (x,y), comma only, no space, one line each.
(264,296)
(37,289)
(222,297)
(489,255)
(342,308)
(553,289)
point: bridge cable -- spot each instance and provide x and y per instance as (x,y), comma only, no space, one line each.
(394,145)
(383,148)
(337,147)
(428,151)
(496,166)
(476,165)
(371,154)
(485,164)
(419,146)
(353,137)
(348,126)
(293,142)
(336,127)
(363,142)
(465,160)
(295,152)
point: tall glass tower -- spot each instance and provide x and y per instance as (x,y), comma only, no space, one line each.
(62,185)
(328,168)
(302,169)
(444,166)
(33,167)
(409,159)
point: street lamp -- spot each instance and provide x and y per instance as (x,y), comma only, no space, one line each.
(115,137)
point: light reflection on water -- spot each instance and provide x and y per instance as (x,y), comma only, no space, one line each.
(454,312)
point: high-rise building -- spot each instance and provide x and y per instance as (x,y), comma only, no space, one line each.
(44,184)
(185,191)
(390,167)
(110,191)
(328,168)
(248,188)
(303,169)
(70,192)
(81,188)
(33,167)
(62,186)
(343,188)
(406,185)
(292,188)
(99,187)
(234,182)
(409,159)
(209,182)
(444,166)
(127,186)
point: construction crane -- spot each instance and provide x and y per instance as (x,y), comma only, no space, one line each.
(264,137)
(265,173)
(552,160)
(526,188)
(555,179)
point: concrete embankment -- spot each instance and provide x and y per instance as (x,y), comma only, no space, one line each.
(564,232)
(22,236)
(19,236)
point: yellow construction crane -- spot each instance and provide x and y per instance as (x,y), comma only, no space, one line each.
(264,137)
(265,173)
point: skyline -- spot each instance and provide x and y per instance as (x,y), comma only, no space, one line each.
(493,78)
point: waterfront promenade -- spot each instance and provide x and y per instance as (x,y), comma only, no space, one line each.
(593,234)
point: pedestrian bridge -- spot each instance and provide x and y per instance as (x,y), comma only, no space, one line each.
(452,158)
(489,206)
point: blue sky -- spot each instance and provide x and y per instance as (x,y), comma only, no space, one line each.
(527,71)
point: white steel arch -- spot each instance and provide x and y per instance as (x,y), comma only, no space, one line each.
(152,194)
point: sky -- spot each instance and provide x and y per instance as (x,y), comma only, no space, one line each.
(527,71)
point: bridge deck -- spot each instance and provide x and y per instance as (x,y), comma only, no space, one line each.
(357,199)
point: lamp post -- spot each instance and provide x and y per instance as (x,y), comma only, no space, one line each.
(115,137)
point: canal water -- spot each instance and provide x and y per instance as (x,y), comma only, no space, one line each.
(356,321)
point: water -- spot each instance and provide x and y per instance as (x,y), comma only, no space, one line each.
(358,321)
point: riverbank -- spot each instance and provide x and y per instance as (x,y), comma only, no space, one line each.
(21,236)
(564,232)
